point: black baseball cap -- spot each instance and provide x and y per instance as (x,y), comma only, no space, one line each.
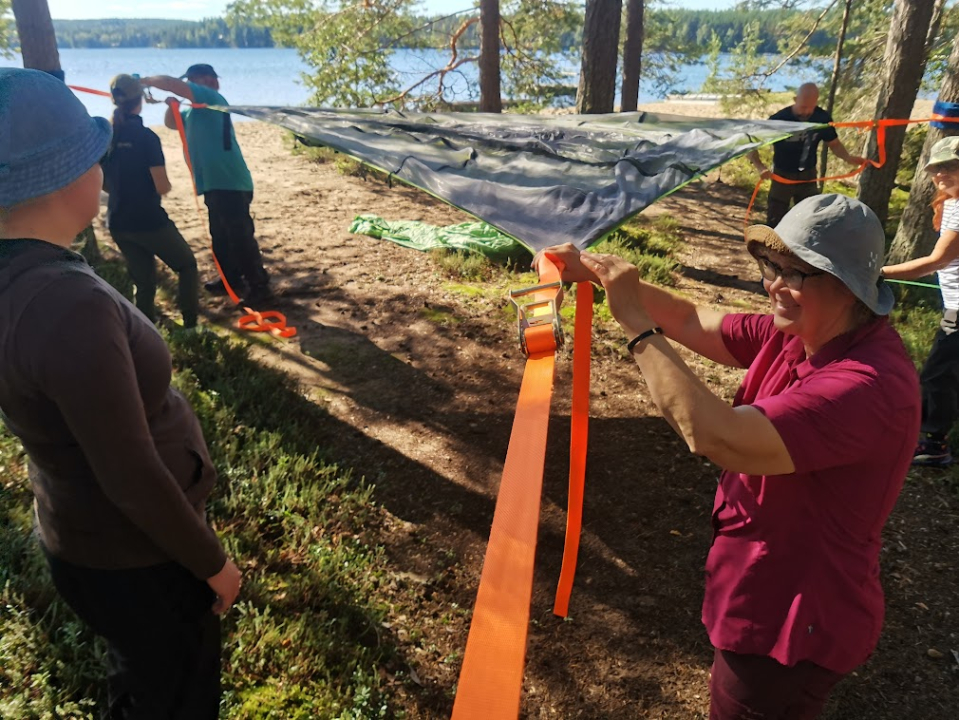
(199,70)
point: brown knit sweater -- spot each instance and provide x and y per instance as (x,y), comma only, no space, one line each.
(118,464)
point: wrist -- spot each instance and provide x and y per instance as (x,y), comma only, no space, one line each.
(637,324)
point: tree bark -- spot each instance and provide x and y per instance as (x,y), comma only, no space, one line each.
(633,54)
(38,41)
(904,62)
(915,236)
(597,78)
(834,83)
(490,97)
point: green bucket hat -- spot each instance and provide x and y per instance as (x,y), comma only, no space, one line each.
(945,150)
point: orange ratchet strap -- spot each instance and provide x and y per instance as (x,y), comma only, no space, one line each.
(491,679)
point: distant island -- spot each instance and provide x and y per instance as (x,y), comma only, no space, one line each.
(140,33)
(685,28)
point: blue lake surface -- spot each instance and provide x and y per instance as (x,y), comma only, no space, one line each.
(273,76)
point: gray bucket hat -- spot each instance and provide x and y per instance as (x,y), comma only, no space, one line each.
(837,234)
(47,138)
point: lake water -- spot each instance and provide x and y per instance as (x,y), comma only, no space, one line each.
(270,76)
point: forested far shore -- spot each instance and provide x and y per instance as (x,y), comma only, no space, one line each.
(694,27)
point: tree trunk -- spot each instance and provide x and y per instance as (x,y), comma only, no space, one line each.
(633,54)
(834,83)
(915,236)
(597,78)
(903,65)
(38,41)
(490,97)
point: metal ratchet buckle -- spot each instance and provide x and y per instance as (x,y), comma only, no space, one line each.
(531,314)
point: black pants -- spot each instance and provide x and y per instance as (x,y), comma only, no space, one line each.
(940,379)
(234,240)
(781,195)
(164,640)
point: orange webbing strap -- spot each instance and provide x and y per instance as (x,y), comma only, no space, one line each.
(270,321)
(491,679)
(579,432)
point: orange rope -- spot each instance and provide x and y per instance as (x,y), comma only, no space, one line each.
(270,321)
(101,93)
(879,125)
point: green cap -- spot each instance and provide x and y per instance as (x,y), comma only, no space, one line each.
(945,150)
(125,88)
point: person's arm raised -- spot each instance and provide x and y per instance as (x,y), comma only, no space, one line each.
(944,252)
(169,84)
(739,439)
(697,328)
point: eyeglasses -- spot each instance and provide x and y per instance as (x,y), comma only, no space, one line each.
(792,278)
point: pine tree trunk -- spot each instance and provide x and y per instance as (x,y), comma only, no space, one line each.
(903,65)
(833,84)
(38,41)
(38,47)
(597,78)
(633,54)
(490,97)
(915,236)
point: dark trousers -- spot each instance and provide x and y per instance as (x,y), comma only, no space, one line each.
(234,239)
(163,638)
(782,194)
(752,687)
(940,380)
(141,250)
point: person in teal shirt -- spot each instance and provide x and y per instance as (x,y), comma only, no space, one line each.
(222,177)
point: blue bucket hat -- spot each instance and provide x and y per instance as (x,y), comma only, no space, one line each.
(47,138)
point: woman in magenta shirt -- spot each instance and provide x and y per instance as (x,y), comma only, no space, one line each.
(814,449)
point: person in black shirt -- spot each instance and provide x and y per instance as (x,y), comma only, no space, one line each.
(795,157)
(135,177)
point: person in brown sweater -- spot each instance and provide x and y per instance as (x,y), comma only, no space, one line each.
(118,464)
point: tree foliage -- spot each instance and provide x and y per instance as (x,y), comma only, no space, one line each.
(349,47)
(8,31)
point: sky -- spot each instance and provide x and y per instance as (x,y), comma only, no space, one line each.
(199,9)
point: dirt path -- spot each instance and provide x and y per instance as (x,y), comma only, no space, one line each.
(421,382)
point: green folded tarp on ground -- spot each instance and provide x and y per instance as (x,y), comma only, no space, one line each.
(476,237)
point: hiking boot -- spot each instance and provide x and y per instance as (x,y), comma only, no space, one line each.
(257,296)
(931,452)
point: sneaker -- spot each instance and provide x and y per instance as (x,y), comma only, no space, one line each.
(932,453)
(257,296)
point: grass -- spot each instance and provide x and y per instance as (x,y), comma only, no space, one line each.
(307,639)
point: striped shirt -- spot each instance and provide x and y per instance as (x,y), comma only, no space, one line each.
(949,275)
